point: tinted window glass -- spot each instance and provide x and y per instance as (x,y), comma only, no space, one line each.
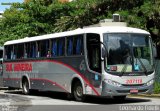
(70,46)
(9,52)
(57,47)
(33,50)
(75,45)
(27,50)
(20,51)
(43,48)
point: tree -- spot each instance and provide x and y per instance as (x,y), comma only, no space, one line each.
(38,17)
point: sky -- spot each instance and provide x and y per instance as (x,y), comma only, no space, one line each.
(3,7)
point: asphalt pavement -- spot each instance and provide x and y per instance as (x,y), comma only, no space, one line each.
(15,100)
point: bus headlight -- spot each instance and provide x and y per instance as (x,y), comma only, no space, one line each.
(150,82)
(113,83)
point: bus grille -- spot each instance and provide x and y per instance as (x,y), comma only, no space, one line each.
(132,85)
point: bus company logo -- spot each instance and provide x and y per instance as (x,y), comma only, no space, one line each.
(82,66)
(19,67)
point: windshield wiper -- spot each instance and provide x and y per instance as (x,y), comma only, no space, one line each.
(144,68)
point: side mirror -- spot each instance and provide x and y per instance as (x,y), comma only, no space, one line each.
(103,54)
(104,51)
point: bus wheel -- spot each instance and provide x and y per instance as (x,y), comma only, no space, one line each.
(78,91)
(25,86)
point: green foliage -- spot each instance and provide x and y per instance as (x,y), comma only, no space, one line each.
(145,16)
(39,17)
(156,88)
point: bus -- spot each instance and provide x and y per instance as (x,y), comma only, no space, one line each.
(1,63)
(1,54)
(110,61)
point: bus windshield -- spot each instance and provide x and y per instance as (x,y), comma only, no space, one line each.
(128,53)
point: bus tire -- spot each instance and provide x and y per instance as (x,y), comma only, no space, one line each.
(25,86)
(78,91)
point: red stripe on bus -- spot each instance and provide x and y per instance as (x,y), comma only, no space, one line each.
(66,65)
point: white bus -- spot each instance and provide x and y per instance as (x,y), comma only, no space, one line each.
(1,63)
(99,61)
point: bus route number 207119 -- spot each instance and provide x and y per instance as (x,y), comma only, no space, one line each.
(134,81)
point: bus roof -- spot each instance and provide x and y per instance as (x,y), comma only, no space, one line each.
(98,30)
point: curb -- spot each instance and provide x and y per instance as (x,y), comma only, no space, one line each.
(146,95)
(3,88)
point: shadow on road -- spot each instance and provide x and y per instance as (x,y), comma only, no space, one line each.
(89,99)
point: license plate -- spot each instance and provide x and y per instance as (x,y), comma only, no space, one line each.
(133,91)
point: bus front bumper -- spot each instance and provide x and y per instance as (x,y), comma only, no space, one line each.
(110,90)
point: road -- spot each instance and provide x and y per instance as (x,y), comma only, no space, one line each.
(51,101)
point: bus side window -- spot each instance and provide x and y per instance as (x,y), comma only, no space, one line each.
(75,45)
(15,52)
(44,44)
(70,46)
(1,52)
(78,45)
(61,45)
(54,47)
(27,50)
(38,49)
(9,52)
(57,47)
(33,50)
(47,46)
(20,51)
(43,49)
